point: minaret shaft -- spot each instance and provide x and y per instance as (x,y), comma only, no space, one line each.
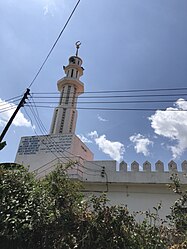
(70,87)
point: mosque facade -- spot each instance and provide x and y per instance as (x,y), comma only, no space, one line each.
(138,189)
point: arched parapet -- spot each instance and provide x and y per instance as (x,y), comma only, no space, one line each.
(123,166)
(184,166)
(135,166)
(172,166)
(147,166)
(147,174)
(159,166)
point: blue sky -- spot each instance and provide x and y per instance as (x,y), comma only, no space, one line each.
(126,44)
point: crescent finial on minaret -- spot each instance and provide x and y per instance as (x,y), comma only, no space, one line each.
(78,43)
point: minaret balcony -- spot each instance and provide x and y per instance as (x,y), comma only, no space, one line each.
(70,81)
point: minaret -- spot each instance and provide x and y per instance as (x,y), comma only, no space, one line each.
(46,151)
(70,87)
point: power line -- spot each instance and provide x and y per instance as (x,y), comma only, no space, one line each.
(58,146)
(125,91)
(93,172)
(16,98)
(118,109)
(50,166)
(41,130)
(116,96)
(127,109)
(7,109)
(40,125)
(49,139)
(42,166)
(32,82)
(9,104)
(61,32)
(113,102)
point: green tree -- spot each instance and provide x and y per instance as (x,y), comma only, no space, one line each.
(36,214)
(178,216)
(19,206)
(52,213)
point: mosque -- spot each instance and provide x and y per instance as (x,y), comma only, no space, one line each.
(138,189)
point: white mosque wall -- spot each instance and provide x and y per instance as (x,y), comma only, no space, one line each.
(140,190)
(43,153)
(137,197)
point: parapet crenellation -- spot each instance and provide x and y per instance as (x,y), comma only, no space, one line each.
(105,170)
(134,173)
(159,167)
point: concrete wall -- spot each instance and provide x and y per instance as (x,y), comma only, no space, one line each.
(139,190)
(138,197)
(43,153)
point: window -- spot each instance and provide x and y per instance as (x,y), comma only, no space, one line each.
(74,95)
(62,120)
(71,72)
(71,123)
(67,96)
(61,97)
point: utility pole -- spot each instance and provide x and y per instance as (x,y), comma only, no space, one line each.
(21,103)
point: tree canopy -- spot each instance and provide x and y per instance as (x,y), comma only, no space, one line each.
(52,213)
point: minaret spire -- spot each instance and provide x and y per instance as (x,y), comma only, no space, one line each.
(70,87)
(78,43)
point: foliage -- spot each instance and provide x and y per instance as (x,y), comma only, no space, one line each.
(178,216)
(52,213)
(34,213)
(19,206)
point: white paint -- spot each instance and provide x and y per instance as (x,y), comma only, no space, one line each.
(70,87)
(140,190)
(43,153)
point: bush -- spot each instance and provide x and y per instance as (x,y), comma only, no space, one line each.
(52,213)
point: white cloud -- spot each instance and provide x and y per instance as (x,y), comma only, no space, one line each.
(93,134)
(141,144)
(84,139)
(7,110)
(46,10)
(49,7)
(114,149)
(101,119)
(172,124)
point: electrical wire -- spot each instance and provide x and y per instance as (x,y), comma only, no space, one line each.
(35,117)
(93,172)
(7,109)
(60,34)
(116,96)
(8,106)
(45,133)
(119,109)
(125,91)
(131,109)
(114,102)
(61,153)
(74,156)
(51,166)
(83,166)
(17,98)
(64,150)
(42,166)
(83,172)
